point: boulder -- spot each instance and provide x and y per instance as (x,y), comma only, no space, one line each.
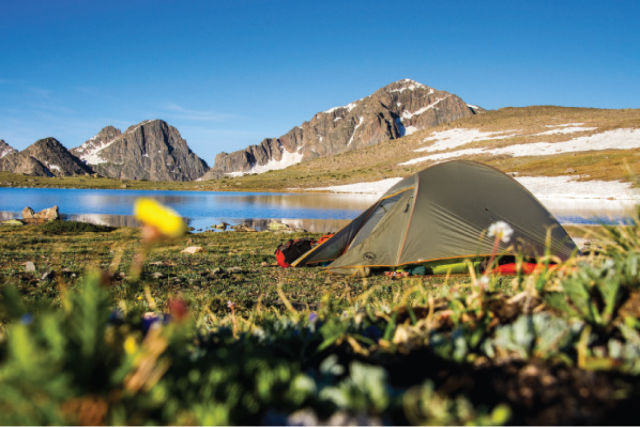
(48,214)
(222,226)
(27,213)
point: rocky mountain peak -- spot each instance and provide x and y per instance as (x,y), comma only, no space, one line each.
(402,85)
(45,157)
(396,110)
(151,149)
(109,132)
(57,159)
(87,152)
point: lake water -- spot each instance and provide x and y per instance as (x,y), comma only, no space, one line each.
(318,212)
(313,211)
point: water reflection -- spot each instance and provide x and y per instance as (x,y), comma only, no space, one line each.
(9,215)
(302,200)
(312,225)
(202,209)
(104,219)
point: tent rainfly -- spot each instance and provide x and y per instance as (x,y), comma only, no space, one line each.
(442,214)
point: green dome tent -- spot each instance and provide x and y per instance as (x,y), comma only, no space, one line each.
(442,213)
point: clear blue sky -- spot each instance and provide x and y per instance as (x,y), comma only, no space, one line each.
(229,73)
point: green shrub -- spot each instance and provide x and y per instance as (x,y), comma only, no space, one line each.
(59,226)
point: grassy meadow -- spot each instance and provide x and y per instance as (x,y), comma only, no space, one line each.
(98,327)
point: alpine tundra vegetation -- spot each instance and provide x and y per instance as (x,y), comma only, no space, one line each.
(102,325)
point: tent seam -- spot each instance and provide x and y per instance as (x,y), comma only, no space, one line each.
(413,208)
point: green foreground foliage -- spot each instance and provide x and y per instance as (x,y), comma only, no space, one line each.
(223,336)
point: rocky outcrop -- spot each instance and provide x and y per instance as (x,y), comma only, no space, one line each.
(23,164)
(48,214)
(45,157)
(398,109)
(151,150)
(5,149)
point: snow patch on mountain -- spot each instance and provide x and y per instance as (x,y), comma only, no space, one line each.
(288,159)
(452,138)
(5,151)
(360,121)
(90,153)
(407,115)
(410,85)
(617,139)
(348,107)
(565,129)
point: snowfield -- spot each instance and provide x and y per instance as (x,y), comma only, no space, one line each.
(617,139)
(452,138)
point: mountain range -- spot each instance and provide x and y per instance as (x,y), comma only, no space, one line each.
(393,111)
(153,150)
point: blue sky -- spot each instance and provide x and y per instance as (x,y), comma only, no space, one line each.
(230,73)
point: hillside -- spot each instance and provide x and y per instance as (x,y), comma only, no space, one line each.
(584,143)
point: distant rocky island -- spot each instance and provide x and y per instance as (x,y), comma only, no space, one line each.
(154,150)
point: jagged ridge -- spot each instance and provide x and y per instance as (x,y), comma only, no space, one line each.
(395,110)
(151,150)
(45,157)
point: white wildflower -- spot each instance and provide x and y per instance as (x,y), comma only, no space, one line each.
(501,231)
(483,282)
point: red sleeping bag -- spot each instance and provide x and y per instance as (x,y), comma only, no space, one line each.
(512,268)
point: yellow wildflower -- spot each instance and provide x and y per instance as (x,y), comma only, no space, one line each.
(130,345)
(165,220)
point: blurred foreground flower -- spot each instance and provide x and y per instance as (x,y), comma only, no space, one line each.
(178,308)
(158,220)
(501,231)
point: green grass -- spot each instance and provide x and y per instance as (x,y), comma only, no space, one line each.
(251,343)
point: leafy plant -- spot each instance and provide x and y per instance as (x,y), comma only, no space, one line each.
(425,406)
(593,293)
(538,335)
